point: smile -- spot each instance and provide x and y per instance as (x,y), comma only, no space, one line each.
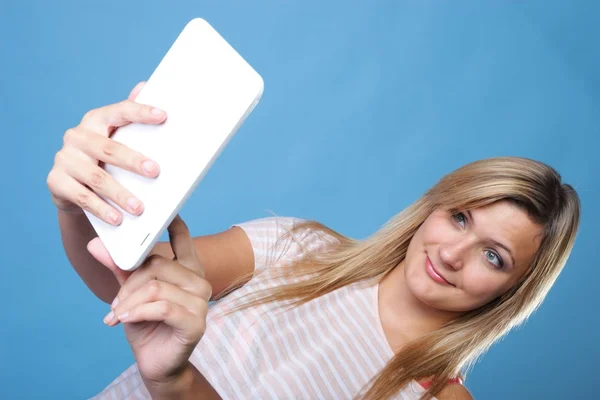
(432,272)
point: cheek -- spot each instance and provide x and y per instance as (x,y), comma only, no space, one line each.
(412,272)
(437,231)
(481,284)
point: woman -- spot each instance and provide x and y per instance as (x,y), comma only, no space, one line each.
(302,311)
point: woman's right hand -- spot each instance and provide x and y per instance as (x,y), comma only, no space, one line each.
(76,179)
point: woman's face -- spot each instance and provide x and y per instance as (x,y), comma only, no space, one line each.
(460,262)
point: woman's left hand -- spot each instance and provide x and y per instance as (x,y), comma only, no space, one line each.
(163,306)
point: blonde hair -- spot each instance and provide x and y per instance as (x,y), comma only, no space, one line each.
(451,350)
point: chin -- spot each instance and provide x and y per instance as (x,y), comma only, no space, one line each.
(424,289)
(431,293)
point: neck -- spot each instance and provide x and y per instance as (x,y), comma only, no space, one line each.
(403,316)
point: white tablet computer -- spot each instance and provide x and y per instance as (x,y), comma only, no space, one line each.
(207,90)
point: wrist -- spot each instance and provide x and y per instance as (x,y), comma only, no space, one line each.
(182,386)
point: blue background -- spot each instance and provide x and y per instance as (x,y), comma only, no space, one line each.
(366,105)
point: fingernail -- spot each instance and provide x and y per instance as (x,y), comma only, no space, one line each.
(113,216)
(134,204)
(114,303)
(157,111)
(149,166)
(123,317)
(109,317)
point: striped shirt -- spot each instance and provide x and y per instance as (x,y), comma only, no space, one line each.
(327,348)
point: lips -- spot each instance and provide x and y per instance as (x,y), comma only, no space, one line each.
(434,274)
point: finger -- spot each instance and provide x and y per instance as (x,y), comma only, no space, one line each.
(157,267)
(183,245)
(136,90)
(121,114)
(99,252)
(159,290)
(65,186)
(173,315)
(103,184)
(110,151)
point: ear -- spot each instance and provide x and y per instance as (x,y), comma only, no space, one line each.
(99,252)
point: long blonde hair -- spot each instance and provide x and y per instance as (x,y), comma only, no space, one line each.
(451,350)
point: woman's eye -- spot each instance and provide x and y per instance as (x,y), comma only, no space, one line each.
(494,258)
(460,218)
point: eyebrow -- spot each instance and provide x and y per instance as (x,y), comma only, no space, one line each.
(495,242)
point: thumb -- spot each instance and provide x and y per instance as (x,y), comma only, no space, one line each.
(99,252)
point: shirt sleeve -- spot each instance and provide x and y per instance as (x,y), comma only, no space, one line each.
(267,239)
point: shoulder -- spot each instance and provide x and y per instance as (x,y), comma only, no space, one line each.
(270,230)
(271,239)
(454,391)
(269,226)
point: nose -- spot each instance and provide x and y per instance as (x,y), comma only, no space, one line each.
(454,254)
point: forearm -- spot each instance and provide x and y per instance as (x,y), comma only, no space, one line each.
(76,231)
(189,385)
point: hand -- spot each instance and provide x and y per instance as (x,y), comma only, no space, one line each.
(163,306)
(76,178)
